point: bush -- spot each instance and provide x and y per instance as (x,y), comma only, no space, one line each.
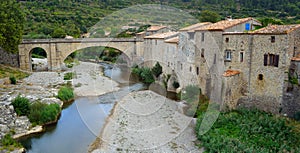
(41,113)
(144,74)
(13,79)
(7,141)
(157,69)
(21,105)
(69,76)
(65,94)
(249,131)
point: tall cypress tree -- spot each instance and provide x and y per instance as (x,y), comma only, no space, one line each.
(11,25)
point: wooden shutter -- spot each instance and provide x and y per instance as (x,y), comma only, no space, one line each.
(265,59)
(276,63)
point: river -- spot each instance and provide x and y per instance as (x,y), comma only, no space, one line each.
(81,122)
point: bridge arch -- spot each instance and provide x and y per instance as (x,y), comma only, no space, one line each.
(59,49)
(36,62)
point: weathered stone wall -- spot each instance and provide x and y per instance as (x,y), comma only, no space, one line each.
(9,58)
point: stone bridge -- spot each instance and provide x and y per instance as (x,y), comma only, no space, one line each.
(58,50)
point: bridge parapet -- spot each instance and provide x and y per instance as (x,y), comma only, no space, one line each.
(79,40)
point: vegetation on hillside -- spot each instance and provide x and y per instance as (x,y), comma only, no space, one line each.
(250,131)
(11,25)
(6,71)
(55,18)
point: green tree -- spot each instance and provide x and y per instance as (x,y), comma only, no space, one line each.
(59,33)
(11,25)
(157,69)
(209,16)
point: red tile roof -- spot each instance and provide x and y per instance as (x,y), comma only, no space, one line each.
(155,28)
(195,26)
(277,29)
(161,35)
(172,40)
(225,24)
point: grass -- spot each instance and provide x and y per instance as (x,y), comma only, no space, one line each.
(41,113)
(69,76)
(9,144)
(65,94)
(250,131)
(6,71)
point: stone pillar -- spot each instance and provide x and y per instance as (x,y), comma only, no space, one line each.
(54,60)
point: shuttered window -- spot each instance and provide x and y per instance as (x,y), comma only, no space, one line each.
(276,62)
(271,60)
(265,59)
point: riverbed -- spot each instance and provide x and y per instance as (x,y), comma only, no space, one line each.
(81,121)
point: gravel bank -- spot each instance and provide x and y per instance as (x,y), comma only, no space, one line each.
(144,121)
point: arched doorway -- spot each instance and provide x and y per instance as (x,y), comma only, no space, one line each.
(38,59)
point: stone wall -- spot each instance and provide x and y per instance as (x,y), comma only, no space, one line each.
(9,58)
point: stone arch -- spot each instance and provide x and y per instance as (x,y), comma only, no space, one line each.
(30,58)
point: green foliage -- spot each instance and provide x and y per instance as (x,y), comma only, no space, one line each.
(21,105)
(209,16)
(69,76)
(8,142)
(65,94)
(13,79)
(58,33)
(297,116)
(144,74)
(176,84)
(157,69)
(249,131)
(11,25)
(41,113)
(6,71)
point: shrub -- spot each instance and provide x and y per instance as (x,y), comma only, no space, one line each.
(21,105)
(176,84)
(157,69)
(7,141)
(65,94)
(69,76)
(13,79)
(144,74)
(249,131)
(41,113)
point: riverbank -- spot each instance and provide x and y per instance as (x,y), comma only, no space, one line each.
(144,121)
(44,86)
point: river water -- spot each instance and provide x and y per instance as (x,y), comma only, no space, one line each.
(81,122)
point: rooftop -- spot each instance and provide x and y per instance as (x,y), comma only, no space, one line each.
(172,40)
(155,28)
(225,24)
(229,73)
(277,29)
(195,26)
(161,35)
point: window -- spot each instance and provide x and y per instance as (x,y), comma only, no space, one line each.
(202,36)
(247,26)
(155,42)
(272,39)
(241,56)
(227,40)
(271,60)
(215,58)
(190,69)
(197,70)
(202,52)
(228,55)
(260,77)
(181,66)
(191,35)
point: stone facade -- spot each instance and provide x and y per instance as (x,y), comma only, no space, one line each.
(9,58)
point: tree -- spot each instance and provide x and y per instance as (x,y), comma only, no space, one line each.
(157,69)
(11,25)
(59,33)
(209,16)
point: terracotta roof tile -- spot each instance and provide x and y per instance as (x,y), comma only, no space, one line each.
(195,26)
(277,29)
(155,28)
(172,40)
(161,35)
(229,73)
(225,24)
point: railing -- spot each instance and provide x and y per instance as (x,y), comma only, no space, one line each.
(79,40)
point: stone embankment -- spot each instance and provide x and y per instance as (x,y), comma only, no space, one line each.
(144,121)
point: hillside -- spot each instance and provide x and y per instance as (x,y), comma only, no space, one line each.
(56,18)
